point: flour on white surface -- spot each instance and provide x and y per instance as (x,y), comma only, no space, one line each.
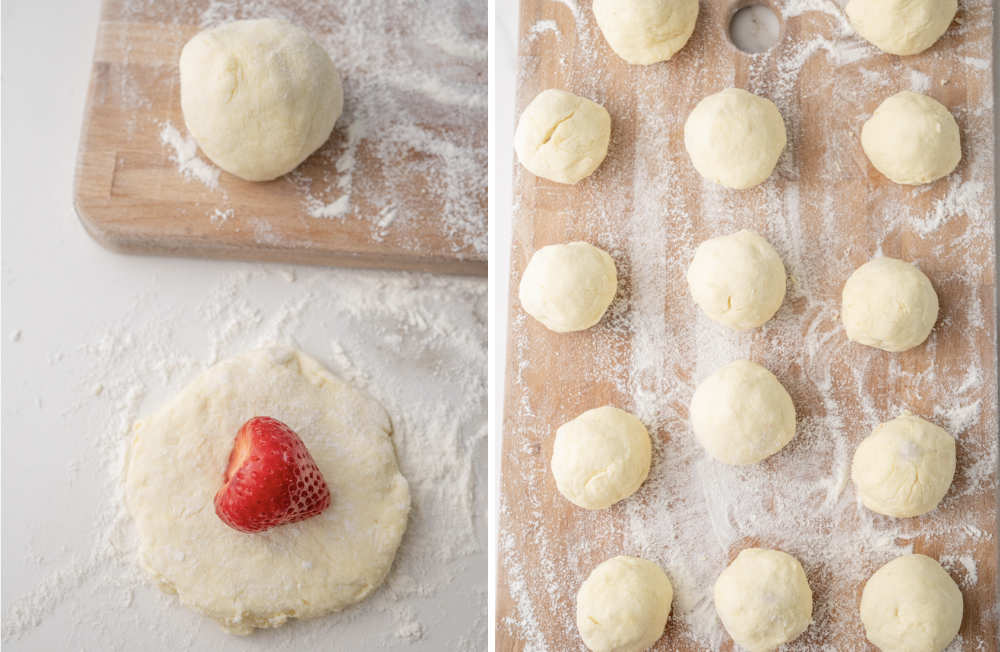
(416,343)
(413,132)
(654,347)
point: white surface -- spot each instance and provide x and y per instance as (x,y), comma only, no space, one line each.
(77,324)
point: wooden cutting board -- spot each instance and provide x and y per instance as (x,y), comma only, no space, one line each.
(400,184)
(827,211)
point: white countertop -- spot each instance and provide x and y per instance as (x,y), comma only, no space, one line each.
(91,339)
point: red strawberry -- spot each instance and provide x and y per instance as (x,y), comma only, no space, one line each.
(271,479)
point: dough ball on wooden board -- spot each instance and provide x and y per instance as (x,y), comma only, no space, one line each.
(734,138)
(601,457)
(562,137)
(904,468)
(912,139)
(763,599)
(888,304)
(911,604)
(901,26)
(623,605)
(742,414)
(259,96)
(568,287)
(646,31)
(737,279)
(322,564)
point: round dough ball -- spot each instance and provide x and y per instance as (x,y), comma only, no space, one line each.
(911,604)
(763,599)
(735,138)
(901,26)
(568,286)
(601,457)
(646,31)
(737,279)
(742,414)
(888,304)
(912,139)
(623,605)
(301,570)
(904,468)
(562,137)
(259,96)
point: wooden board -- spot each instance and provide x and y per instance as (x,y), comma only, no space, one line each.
(402,179)
(827,211)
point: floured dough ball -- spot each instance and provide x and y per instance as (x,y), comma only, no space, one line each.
(306,569)
(912,139)
(623,605)
(646,31)
(911,604)
(568,287)
(904,468)
(763,599)
(742,414)
(562,137)
(737,279)
(901,26)
(888,304)
(735,138)
(601,457)
(259,96)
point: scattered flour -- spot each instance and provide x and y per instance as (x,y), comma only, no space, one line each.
(185,154)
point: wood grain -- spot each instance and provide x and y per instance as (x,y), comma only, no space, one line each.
(131,197)
(827,211)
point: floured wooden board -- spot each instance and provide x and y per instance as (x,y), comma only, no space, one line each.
(827,211)
(401,183)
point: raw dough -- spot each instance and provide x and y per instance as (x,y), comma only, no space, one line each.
(735,138)
(737,279)
(763,599)
(623,605)
(904,468)
(568,287)
(912,139)
(601,457)
(901,26)
(562,137)
(889,304)
(742,414)
(911,605)
(302,570)
(646,31)
(259,96)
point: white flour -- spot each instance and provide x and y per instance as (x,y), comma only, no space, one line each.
(655,346)
(413,132)
(416,343)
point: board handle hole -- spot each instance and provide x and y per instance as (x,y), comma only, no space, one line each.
(754,28)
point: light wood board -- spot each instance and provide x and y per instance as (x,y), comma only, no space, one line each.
(408,207)
(827,211)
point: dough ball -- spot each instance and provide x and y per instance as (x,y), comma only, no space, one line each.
(568,287)
(904,468)
(742,414)
(763,599)
(889,304)
(259,96)
(646,31)
(301,570)
(623,605)
(738,279)
(911,604)
(901,26)
(734,138)
(601,457)
(562,137)
(912,139)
